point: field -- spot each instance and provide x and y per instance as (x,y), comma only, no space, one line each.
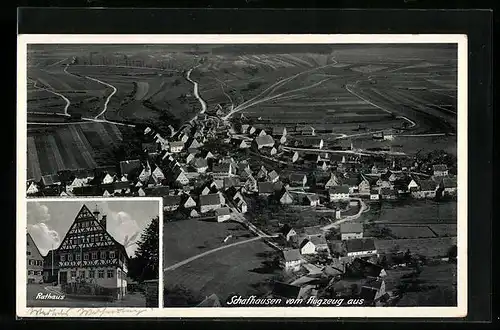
(411,231)
(186,238)
(429,247)
(412,212)
(70,147)
(237,270)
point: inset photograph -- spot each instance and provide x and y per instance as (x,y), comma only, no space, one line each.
(92,253)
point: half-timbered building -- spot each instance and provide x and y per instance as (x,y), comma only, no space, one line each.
(88,253)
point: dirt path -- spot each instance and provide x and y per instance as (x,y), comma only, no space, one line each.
(105,107)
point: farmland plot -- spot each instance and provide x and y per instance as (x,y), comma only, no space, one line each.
(184,239)
(411,231)
(429,247)
(444,229)
(234,270)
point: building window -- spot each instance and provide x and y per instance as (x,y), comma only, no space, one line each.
(103,254)
(110,273)
(85,256)
(111,254)
(63,257)
(94,255)
(70,257)
(82,274)
(73,273)
(100,273)
(92,273)
(78,257)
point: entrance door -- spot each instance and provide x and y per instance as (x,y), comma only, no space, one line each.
(63,277)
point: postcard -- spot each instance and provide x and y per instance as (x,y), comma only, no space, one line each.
(203,176)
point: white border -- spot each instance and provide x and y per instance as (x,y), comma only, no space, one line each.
(251,312)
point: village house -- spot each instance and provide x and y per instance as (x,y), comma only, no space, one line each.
(177,175)
(297,180)
(223,214)
(313,142)
(288,232)
(34,261)
(32,188)
(388,193)
(200,165)
(364,186)
(265,188)
(273,176)
(427,189)
(286,198)
(50,180)
(339,193)
(176,146)
(263,141)
(231,182)
(244,144)
(157,174)
(262,174)
(413,185)
(449,186)
(279,131)
(374,194)
(360,247)
(320,243)
(372,291)
(440,170)
(104,260)
(351,230)
(333,181)
(312,200)
(310,232)
(251,185)
(187,201)
(223,170)
(50,267)
(352,183)
(171,203)
(241,204)
(307,247)
(209,202)
(150,148)
(129,166)
(295,157)
(365,268)
(193,143)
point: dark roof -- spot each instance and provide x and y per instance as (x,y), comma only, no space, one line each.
(127,166)
(366,267)
(318,240)
(312,197)
(50,179)
(387,191)
(296,177)
(171,200)
(427,185)
(150,147)
(158,191)
(210,199)
(449,182)
(312,231)
(222,168)
(361,244)
(223,211)
(200,163)
(284,290)
(286,229)
(231,182)
(292,255)
(440,167)
(339,189)
(176,144)
(266,187)
(351,182)
(351,227)
(278,130)
(368,294)
(121,185)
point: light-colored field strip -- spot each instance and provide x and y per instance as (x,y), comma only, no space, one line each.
(33,162)
(117,132)
(124,66)
(103,133)
(436,91)
(55,154)
(142,90)
(349,89)
(82,147)
(58,94)
(297,59)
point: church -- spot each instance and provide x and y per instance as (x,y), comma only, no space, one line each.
(88,253)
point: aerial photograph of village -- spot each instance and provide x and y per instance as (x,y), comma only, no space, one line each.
(92,253)
(291,173)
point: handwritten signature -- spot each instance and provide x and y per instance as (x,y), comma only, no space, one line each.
(86,312)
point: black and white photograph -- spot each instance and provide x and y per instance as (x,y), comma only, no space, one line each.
(293,172)
(92,253)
